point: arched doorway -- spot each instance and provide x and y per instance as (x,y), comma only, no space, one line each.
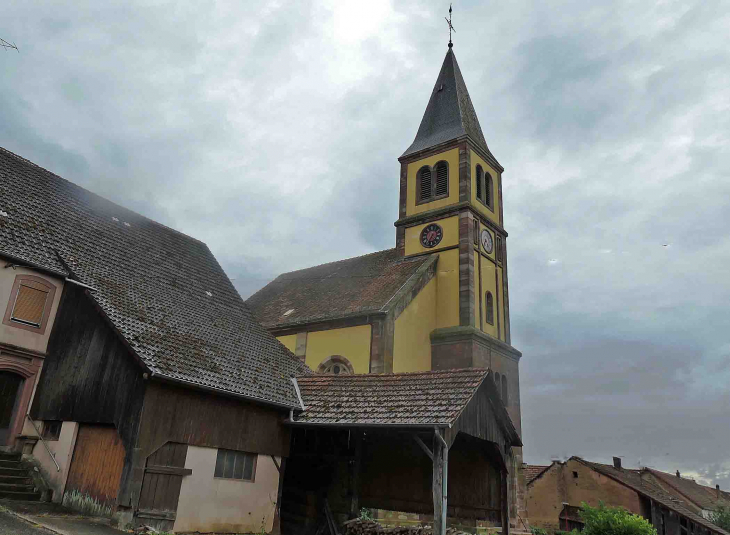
(10,389)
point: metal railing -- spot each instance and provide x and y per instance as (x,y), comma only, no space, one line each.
(52,456)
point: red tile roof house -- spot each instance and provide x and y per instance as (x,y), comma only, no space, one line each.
(160,397)
(555,493)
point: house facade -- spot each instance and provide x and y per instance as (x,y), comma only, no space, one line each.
(439,299)
(556,492)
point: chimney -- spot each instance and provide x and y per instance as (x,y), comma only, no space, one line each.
(678,474)
(617,463)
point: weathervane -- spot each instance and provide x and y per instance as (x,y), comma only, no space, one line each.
(451,28)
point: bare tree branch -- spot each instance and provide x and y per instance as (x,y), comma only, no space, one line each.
(6,45)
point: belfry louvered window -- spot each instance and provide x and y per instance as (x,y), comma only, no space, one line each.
(442,179)
(489,300)
(480,180)
(425,189)
(488,189)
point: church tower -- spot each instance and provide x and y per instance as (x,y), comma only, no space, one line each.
(451,205)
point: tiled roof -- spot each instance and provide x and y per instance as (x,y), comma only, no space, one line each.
(449,113)
(164,291)
(532,471)
(360,285)
(702,496)
(634,480)
(416,398)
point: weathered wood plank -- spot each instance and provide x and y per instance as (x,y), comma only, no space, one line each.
(169,470)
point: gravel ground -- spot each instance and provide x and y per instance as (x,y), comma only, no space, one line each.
(11,525)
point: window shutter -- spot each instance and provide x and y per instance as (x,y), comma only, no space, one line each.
(425,183)
(488,190)
(480,174)
(442,179)
(30,303)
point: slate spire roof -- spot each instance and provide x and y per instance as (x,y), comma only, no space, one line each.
(450,113)
(163,291)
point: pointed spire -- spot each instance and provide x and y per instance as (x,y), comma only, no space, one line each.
(450,114)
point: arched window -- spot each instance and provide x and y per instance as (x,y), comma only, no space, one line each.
(505,392)
(489,300)
(442,179)
(425,186)
(480,178)
(337,365)
(488,190)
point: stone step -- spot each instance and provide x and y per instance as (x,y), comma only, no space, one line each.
(17,487)
(17,472)
(10,455)
(27,496)
(10,464)
(16,480)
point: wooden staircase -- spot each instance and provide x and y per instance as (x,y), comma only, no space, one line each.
(15,481)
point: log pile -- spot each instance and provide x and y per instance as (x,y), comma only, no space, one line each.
(361,526)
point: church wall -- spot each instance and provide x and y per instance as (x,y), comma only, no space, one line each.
(450,226)
(488,284)
(353,343)
(412,345)
(483,210)
(452,158)
(289,341)
(447,288)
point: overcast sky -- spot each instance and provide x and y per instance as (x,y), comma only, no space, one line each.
(271,131)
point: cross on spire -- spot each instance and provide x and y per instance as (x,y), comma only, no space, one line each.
(451,27)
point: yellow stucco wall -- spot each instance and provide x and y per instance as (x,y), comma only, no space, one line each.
(289,341)
(450,238)
(486,212)
(353,343)
(412,342)
(452,158)
(447,289)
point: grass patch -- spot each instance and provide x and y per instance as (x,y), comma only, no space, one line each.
(85,504)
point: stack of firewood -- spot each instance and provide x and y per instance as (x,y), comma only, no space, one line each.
(360,526)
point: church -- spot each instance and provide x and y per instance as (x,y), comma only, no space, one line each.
(439,299)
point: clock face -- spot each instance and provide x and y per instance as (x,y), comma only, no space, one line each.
(487,242)
(431,235)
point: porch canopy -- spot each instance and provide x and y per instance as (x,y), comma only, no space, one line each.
(399,442)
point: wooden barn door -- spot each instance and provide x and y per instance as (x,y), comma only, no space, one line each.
(161,486)
(97,463)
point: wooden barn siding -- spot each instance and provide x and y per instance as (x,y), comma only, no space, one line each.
(89,376)
(478,419)
(97,463)
(174,414)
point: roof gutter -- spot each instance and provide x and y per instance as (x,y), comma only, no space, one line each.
(195,386)
(19,262)
(428,426)
(77,283)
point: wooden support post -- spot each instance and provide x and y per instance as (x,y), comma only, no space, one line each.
(440,482)
(505,500)
(355,476)
(276,530)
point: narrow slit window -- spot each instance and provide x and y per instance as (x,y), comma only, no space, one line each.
(489,300)
(505,390)
(476,232)
(426,185)
(30,302)
(497,380)
(499,249)
(442,179)
(231,464)
(488,190)
(480,179)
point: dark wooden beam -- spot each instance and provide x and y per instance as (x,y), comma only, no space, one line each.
(437,486)
(505,501)
(423,446)
(171,470)
(355,476)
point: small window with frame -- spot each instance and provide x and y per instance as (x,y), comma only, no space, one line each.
(51,430)
(30,303)
(432,183)
(232,464)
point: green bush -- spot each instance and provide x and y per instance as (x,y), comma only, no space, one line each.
(721,517)
(604,520)
(538,531)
